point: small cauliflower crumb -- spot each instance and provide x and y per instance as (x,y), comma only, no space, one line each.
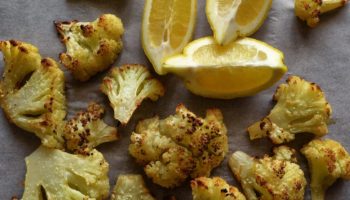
(310,10)
(214,188)
(269,178)
(328,161)
(54,174)
(92,47)
(87,130)
(32,92)
(131,187)
(180,146)
(301,107)
(127,86)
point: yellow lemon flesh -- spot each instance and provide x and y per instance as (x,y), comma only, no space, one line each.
(167,26)
(230,19)
(240,68)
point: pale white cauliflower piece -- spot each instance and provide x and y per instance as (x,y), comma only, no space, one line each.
(214,188)
(131,187)
(269,178)
(180,146)
(301,107)
(328,161)
(87,130)
(127,86)
(92,47)
(32,92)
(55,175)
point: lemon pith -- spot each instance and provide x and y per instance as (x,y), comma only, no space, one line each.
(241,68)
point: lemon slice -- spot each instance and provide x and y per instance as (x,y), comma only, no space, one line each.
(240,68)
(167,27)
(230,19)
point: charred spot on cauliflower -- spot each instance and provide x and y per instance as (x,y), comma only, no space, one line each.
(54,174)
(301,107)
(328,161)
(87,130)
(180,146)
(127,86)
(214,188)
(310,10)
(32,92)
(131,187)
(272,178)
(92,47)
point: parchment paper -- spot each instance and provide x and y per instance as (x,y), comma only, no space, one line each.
(320,55)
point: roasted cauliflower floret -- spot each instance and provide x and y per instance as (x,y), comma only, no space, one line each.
(127,86)
(87,130)
(179,146)
(92,47)
(328,161)
(54,174)
(271,177)
(32,92)
(301,107)
(310,10)
(214,188)
(131,187)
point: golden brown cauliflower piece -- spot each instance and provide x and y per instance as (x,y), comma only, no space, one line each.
(214,188)
(310,10)
(328,161)
(32,92)
(179,146)
(56,175)
(131,187)
(87,130)
(272,178)
(301,107)
(127,86)
(92,47)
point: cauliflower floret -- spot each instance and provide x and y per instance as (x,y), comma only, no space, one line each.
(328,161)
(32,92)
(87,130)
(54,174)
(180,146)
(127,86)
(271,177)
(214,188)
(301,107)
(131,187)
(310,10)
(91,46)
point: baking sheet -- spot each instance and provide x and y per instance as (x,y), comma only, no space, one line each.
(320,55)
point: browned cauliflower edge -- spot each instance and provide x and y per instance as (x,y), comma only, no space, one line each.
(87,130)
(269,178)
(92,47)
(215,188)
(328,160)
(310,10)
(32,92)
(131,187)
(301,107)
(56,175)
(127,86)
(179,146)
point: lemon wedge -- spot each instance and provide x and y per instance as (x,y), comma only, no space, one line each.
(167,27)
(240,68)
(230,19)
